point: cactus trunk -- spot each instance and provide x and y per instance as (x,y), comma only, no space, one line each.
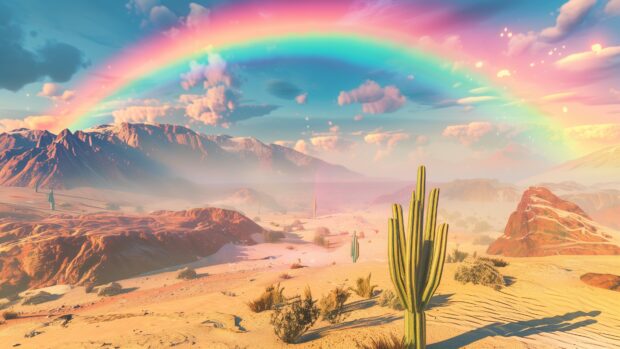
(416,257)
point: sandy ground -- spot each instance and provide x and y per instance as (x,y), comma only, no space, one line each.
(546,305)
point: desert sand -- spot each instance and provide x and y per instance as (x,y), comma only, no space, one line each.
(545,305)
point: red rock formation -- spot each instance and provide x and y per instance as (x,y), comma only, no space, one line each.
(606,281)
(104,247)
(544,225)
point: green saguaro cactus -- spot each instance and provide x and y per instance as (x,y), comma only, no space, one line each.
(355,248)
(51,200)
(416,257)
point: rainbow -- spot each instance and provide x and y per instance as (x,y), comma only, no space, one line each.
(250,32)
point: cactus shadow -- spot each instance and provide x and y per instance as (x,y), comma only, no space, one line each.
(351,324)
(440,300)
(558,323)
(359,305)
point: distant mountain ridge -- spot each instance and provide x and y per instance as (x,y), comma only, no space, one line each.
(150,155)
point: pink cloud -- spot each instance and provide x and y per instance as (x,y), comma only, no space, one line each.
(141,113)
(591,61)
(302,146)
(613,7)
(596,133)
(374,98)
(55,92)
(469,133)
(571,15)
(386,141)
(330,143)
(212,108)
(301,99)
(33,122)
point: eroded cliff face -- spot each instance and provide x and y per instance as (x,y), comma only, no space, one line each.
(103,247)
(544,225)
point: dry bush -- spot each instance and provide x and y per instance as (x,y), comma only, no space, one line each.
(332,305)
(363,287)
(456,256)
(388,342)
(187,274)
(285,276)
(290,247)
(269,299)
(497,262)
(480,272)
(297,265)
(38,298)
(390,299)
(320,235)
(290,321)
(111,289)
(322,231)
(9,315)
(272,236)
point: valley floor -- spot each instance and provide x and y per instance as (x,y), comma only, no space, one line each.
(545,306)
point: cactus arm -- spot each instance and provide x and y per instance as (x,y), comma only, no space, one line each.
(439,257)
(395,260)
(413,256)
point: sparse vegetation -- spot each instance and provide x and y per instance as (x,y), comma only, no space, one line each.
(363,288)
(290,321)
(269,299)
(38,298)
(480,272)
(332,305)
(273,236)
(111,289)
(386,342)
(320,236)
(456,256)
(497,262)
(390,300)
(297,265)
(9,315)
(285,276)
(187,274)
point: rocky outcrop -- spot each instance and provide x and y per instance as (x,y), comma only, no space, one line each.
(543,225)
(104,247)
(606,281)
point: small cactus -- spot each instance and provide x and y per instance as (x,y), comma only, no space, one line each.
(355,248)
(51,200)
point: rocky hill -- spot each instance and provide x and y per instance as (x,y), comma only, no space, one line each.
(103,247)
(543,225)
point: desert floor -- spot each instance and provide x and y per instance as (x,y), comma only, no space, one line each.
(545,305)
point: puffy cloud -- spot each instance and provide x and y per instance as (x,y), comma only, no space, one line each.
(302,146)
(358,117)
(330,142)
(197,13)
(594,61)
(161,17)
(141,113)
(141,6)
(469,133)
(613,7)
(210,108)
(212,74)
(302,98)
(34,122)
(20,66)
(374,98)
(475,100)
(386,141)
(55,92)
(571,15)
(596,133)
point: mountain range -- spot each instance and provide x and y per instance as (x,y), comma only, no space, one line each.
(152,157)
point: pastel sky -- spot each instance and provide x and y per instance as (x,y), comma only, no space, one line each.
(471,88)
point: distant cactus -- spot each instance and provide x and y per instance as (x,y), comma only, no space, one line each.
(314,207)
(51,200)
(355,248)
(416,257)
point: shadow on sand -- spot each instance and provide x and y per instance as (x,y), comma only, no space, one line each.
(559,323)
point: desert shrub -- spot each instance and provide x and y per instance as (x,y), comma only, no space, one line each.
(297,265)
(332,305)
(497,262)
(38,298)
(361,235)
(322,231)
(390,299)
(285,276)
(386,342)
(290,247)
(271,297)
(483,240)
(290,321)
(9,315)
(187,274)
(111,289)
(112,206)
(272,236)
(363,287)
(456,256)
(480,272)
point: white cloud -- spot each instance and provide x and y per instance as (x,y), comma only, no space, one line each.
(141,113)
(33,122)
(475,100)
(571,15)
(386,141)
(591,61)
(55,92)
(330,142)
(597,133)
(504,73)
